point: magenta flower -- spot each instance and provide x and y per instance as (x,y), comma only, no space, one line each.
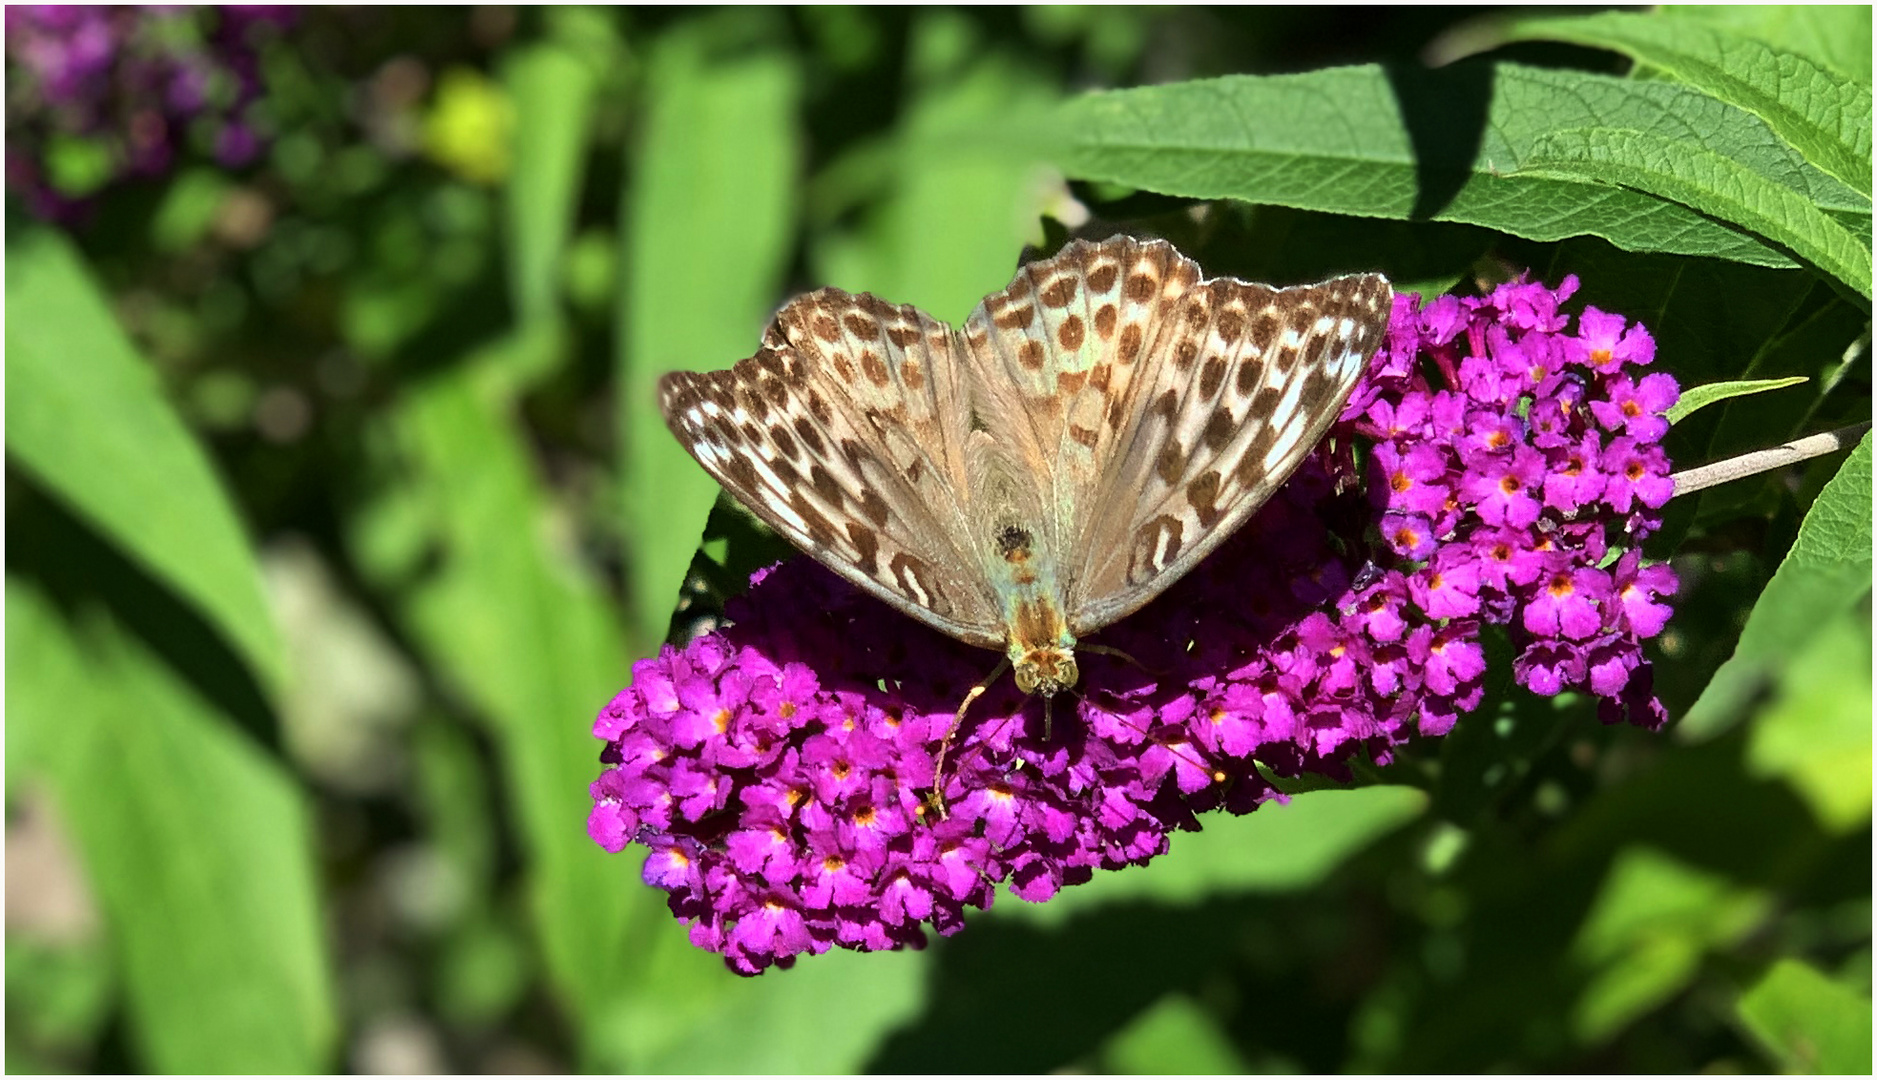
(781,770)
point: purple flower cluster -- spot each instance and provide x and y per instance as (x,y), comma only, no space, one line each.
(781,770)
(128,84)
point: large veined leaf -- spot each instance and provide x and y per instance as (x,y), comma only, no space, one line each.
(1446,145)
(1835,36)
(1712,183)
(1824,115)
(195,844)
(85,413)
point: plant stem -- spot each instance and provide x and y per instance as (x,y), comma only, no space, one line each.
(1759,461)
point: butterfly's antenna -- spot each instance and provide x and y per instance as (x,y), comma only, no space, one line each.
(945,744)
(1109,650)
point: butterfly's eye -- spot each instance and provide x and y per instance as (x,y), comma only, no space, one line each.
(1025,674)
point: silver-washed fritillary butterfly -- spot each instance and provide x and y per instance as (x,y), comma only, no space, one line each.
(1092,432)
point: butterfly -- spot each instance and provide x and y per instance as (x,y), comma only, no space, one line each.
(1089,435)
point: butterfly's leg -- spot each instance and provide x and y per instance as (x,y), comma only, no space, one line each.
(1048,716)
(945,744)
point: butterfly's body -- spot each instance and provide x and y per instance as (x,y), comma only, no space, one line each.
(1084,439)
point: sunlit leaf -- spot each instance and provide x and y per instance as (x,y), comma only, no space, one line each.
(526,637)
(1707,181)
(553,94)
(1447,146)
(85,413)
(1824,115)
(195,843)
(1646,933)
(1809,1023)
(1816,733)
(1696,397)
(1277,848)
(708,221)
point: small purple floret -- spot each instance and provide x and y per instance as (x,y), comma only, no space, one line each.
(779,770)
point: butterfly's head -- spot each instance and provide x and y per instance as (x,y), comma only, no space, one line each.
(1046,671)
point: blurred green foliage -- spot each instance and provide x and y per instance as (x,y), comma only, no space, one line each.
(338,504)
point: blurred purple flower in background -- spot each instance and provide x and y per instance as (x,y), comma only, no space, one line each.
(99,94)
(779,769)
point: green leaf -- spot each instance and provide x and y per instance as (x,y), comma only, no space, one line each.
(1276,848)
(553,94)
(1836,36)
(1697,397)
(1645,935)
(1709,182)
(1446,145)
(1824,115)
(195,843)
(958,169)
(1807,1022)
(827,1014)
(85,413)
(523,634)
(1816,732)
(709,220)
(1827,571)
(1176,1035)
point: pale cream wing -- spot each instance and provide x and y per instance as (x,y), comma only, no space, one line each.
(846,433)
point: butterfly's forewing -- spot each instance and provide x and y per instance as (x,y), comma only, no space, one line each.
(1239,384)
(846,433)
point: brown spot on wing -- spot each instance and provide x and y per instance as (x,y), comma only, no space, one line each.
(1016,318)
(1219,429)
(1141,286)
(826,329)
(1101,279)
(903,336)
(874,507)
(826,486)
(875,368)
(866,544)
(1252,465)
(1128,349)
(1059,293)
(1030,354)
(1172,462)
(784,442)
(1105,320)
(1203,493)
(910,374)
(1211,376)
(1249,372)
(1230,327)
(1070,333)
